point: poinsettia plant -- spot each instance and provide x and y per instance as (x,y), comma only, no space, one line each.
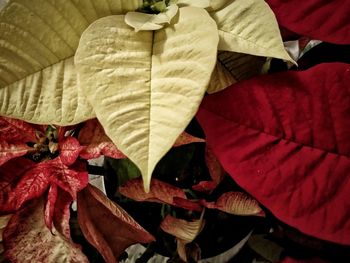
(123,79)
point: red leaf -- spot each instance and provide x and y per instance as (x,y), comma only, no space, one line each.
(285,139)
(120,230)
(61,214)
(160,192)
(69,150)
(10,151)
(50,206)
(14,131)
(186,138)
(10,174)
(27,239)
(319,19)
(70,179)
(96,143)
(216,171)
(204,186)
(187,204)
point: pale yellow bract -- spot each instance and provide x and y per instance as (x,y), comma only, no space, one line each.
(143,87)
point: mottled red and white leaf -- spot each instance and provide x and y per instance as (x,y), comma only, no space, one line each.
(50,205)
(70,179)
(236,203)
(69,150)
(186,231)
(14,187)
(95,142)
(187,204)
(16,131)
(186,138)
(284,138)
(319,19)
(160,192)
(3,223)
(27,239)
(9,151)
(107,226)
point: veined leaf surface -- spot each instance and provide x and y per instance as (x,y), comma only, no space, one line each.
(147,86)
(285,139)
(250,27)
(38,40)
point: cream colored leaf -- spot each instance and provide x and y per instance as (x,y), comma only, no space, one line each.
(48,96)
(38,36)
(142,21)
(147,86)
(250,27)
(194,3)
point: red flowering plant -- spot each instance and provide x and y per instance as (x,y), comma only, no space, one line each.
(262,86)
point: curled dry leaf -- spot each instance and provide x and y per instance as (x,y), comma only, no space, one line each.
(186,138)
(3,223)
(160,192)
(187,204)
(238,203)
(27,239)
(119,230)
(184,230)
(216,171)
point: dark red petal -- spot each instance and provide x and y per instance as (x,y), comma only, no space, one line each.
(285,139)
(318,19)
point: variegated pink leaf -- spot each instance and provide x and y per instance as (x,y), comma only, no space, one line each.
(14,131)
(10,173)
(107,226)
(185,231)
(236,203)
(95,142)
(186,138)
(61,214)
(9,151)
(50,206)
(160,192)
(69,150)
(70,179)
(28,240)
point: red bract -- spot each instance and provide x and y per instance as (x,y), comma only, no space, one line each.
(96,143)
(285,139)
(27,239)
(14,135)
(186,138)
(107,226)
(160,192)
(319,19)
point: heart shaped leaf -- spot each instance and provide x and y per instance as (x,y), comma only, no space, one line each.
(147,86)
(285,139)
